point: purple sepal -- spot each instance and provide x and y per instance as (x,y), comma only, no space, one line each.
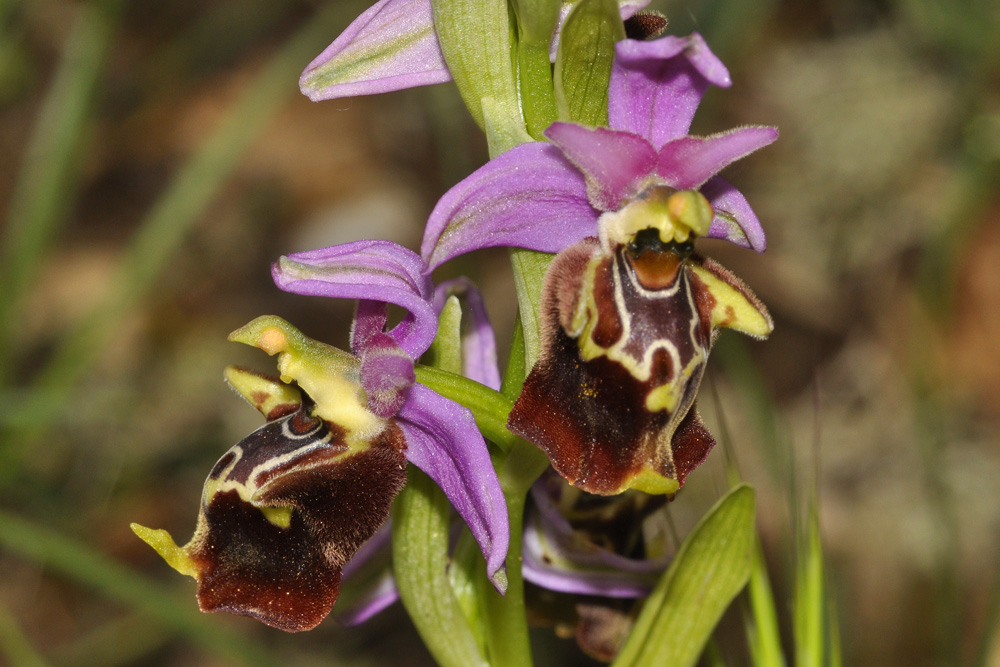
(656,86)
(558,558)
(613,163)
(391,46)
(443,440)
(376,599)
(528,197)
(479,345)
(368,270)
(734,219)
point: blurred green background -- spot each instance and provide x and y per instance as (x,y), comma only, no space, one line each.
(155,157)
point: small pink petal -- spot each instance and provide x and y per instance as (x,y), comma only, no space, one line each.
(614,163)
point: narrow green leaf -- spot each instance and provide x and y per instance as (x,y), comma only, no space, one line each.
(536,21)
(583,63)
(762,626)
(420,520)
(988,646)
(475,37)
(711,567)
(15,645)
(466,568)
(513,377)
(810,602)
(835,653)
(504,130)
(130,639)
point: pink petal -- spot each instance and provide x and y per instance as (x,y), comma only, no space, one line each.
(688,162)
(734,220)
(614,163)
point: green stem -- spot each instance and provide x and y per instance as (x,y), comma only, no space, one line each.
(507,627)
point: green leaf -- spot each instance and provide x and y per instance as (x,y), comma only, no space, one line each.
(536,22)
(710,569)
(810,601)
(475,37)
(466,568)
(15,645)
(583,63)
(420,520)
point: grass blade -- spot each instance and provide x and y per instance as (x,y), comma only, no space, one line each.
(14,645)
(82,564)
(47,180)
(168,224)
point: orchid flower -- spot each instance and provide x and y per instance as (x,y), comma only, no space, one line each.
(629,311)
(393,46)
(548,196)
(316,481)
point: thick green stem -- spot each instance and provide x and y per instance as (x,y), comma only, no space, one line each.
(507,626)
(506,621)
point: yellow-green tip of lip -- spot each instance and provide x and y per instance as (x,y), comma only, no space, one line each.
(653,483)
(164,544)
